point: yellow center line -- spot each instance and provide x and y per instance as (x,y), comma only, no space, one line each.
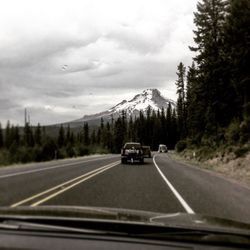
(71,186)
(49,168)
(60,185)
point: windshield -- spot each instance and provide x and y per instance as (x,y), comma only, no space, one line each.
(82,81)
(132,145)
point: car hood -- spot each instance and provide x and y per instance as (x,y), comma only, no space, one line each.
(175,220)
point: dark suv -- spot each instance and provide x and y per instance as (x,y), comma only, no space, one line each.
(132,151)
(146,151)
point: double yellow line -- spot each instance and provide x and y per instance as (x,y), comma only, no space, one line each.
(48,194)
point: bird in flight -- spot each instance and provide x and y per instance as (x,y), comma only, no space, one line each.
(64,67)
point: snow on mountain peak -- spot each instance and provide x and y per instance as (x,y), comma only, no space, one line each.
(148,98)
(149,94)
(141,102)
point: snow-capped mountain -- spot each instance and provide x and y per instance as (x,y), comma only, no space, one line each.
(148,98)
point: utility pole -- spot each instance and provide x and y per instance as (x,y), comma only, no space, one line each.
(25,117)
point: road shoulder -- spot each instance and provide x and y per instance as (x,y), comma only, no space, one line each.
(228,173)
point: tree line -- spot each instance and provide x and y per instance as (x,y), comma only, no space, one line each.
(213,106)
(150,128)
(33,143)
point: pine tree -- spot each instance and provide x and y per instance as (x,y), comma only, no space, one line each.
(109,137)
(163,135)
(140,128)
(61,137)
(168,127)
(68,133)
(102,133)
(49,149)
(1,137)
(194,106)
(93,137)
(7,135)
(156,135)
(130,130)
(181,109)
(38,135)
(86,140)
(43,134)
(98,136)
(28,136)
(17,136)
(237,55)
(209,35)
(118,135)
(12,134)
(102,123)
(72,138)
(174,137)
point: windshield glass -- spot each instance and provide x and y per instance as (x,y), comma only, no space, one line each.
(132,145)
(81,81)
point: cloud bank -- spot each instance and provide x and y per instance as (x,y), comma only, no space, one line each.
(64,59)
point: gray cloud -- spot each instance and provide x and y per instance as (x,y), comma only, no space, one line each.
(64,63)
(6,104)
(80,68)
(130,39)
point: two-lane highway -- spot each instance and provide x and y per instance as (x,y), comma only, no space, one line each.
(22,182)
(160,185)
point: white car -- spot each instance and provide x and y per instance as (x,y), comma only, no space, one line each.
(162,148)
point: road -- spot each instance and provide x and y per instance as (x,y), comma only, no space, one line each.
(159,185)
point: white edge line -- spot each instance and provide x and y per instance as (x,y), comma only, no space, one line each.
(48,168)
(188,209)
(71,186)
(58,186)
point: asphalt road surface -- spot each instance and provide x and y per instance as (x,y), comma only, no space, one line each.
(160,185)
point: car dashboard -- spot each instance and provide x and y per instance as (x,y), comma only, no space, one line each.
(44,240)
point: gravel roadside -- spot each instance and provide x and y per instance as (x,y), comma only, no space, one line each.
(235,169)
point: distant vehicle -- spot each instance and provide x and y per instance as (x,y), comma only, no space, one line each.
(146,151)
(162,148)
(132,151)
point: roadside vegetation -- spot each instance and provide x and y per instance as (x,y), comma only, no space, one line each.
(213,106)
(34,144)
(222,162)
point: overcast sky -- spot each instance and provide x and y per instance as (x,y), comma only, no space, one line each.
(64,59)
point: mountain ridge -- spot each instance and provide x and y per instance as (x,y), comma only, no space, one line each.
(141,102)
